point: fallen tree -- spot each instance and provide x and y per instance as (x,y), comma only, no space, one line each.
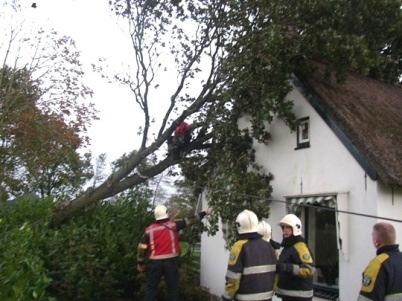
(235,58)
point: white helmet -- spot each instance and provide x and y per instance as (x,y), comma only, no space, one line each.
(246,222)
(293,221)
(160,212)
(265,230)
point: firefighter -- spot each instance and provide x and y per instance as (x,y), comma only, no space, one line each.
(382,279)
(160,243)
(180,139)
(265,230)
(295,265)
(252,263)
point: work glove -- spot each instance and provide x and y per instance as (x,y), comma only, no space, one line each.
(204,213)
(284,268)
(141,267)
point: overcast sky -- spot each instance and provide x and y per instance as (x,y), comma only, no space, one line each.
(97,35)
(94,28)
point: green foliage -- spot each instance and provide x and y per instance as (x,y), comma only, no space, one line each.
(26,131)
(98,250)
(233,181)
(93,257)
(44,116)
(265,43)
(183,204)
(231,59)
(23,275)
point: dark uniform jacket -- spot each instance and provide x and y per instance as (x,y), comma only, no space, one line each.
(382,279)
(295,269)
(251,270)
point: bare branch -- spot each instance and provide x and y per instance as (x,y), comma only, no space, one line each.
(198,51)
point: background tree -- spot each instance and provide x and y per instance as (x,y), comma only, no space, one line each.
(43,118)
(231,59)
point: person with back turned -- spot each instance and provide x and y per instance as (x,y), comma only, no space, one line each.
(160,243)
(382,278)
(252,263)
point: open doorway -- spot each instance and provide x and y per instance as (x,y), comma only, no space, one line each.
(321,237)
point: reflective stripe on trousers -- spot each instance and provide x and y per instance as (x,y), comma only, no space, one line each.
(254,297)
(294,293)
(393,297)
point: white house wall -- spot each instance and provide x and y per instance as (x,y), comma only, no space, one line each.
(214,260)
(390,205)
(325,167)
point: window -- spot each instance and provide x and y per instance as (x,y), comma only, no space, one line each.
(303,133)
(319,222)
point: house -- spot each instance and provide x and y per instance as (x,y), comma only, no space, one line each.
(341,172)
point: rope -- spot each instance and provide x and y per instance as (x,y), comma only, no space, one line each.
(326,208)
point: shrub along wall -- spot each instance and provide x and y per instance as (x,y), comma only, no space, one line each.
(92,257)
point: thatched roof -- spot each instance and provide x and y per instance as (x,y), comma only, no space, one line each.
(367,116)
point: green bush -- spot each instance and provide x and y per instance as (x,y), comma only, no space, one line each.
(92,257)
(23,275)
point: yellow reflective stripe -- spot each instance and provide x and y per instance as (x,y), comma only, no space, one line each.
(295,293)
(303,252)
(235,252)
(255,297)
(370,274)
(231,287)
(233,275)
(258,269)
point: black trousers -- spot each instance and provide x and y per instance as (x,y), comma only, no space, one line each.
(169,269)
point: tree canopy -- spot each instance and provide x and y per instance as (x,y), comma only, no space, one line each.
(231,59)
(43,118)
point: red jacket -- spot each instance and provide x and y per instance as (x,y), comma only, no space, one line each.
(182,129)
(163,240)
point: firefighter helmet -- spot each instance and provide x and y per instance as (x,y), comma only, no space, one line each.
(160,212)
(265,230)
(246,222)
(293,221)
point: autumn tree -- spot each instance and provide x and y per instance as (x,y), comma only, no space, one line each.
(43,118)
(231,59)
